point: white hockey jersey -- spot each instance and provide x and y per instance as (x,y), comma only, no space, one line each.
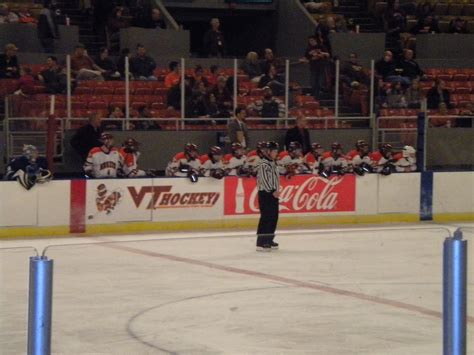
(207,165)
(102,164)
(284,161)
(130,164)
(329,161)
(180,160)
(232,164)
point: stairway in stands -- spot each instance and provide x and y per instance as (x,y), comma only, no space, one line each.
(358,12)
(87,37)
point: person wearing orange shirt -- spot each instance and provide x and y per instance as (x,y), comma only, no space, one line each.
(174,76)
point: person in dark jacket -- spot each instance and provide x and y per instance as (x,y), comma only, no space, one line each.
(299,133)
(142,66)
(409,67)
(214,43)
(386,67)
(53,77)
(88,136)
(437,95)
(104,61)
(47,27)
(9,67)
(150,18)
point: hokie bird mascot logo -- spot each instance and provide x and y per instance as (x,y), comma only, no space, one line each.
(105,200)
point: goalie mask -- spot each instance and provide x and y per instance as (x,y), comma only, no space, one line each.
(131,145)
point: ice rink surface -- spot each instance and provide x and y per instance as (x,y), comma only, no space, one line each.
(333,290)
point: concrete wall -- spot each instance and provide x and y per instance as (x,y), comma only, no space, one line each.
(26,38)
(450,147)
(170,43)
(445,46)
(294,27)
(367,45)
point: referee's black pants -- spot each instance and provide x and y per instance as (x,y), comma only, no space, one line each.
(268,217)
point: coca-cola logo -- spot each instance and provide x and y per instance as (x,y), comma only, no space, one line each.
(162,197)
(312,194)
(301,194)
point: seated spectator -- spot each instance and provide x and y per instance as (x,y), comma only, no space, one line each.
(396,96)
(124,53)
(387,69)
(439,120)
(213,75)
(199,77)
(223,97)
(24,16)
(9,67)
(251,67)
(53,77)
(269,106)
(142,66)
(424,9)
(174,94)
(144,112)
(458,25)
(104,61)
(115,22)
(26,83)
(426,25)
(6,16)
(337,25)
(414,95)
(352,72)
(151,19)
(273,80)
(316,6)
(116,112)
(174,76)
(196,105)
(83,67)
(214,42)
(409,67)
(438,94)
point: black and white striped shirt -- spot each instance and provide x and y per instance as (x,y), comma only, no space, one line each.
(268,178)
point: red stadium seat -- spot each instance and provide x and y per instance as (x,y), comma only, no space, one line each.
(97,105)
(161,91)
(103,91)
(83,90)
(144,91)
(136,105)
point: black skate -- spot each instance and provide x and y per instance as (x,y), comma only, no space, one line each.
(274,245)
(264,248)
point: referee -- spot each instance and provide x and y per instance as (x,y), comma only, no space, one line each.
(268,184)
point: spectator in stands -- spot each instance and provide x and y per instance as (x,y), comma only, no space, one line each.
(438,94)
(414,95)
(142,66)
(53,77)
(174,75)
(437,119)
(124,53)
(251,67)
(214,74)
(385,67)
(223,97)
(237,129)
(395,20)
(47,27)
(115,22)
(152,19)
(426,25)
(273,80)
(88,136)
(196,106)
(458,25)
(335,25)
(174,94)
(198,77)
(144,112)
(83,67)
(352,72)
(26,83)
(396,96)
(9,67)
(24,16)
(299,133)
(116,112)
(7,16)
(424,9)
(104,62)
(268,107)
(317,6)
(268,59)
(409,67)
(318,58)
(214,42)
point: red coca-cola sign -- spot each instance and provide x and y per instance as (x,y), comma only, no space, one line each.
(300,194)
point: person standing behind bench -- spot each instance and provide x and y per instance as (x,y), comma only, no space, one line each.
(268,184)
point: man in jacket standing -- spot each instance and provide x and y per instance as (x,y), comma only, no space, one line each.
(88,136)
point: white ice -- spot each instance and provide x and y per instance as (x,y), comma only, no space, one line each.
(332,290)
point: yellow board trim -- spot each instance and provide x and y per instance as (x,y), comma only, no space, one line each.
(454,217)
(242,223)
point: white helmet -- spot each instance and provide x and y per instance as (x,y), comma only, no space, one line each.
(409,152)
